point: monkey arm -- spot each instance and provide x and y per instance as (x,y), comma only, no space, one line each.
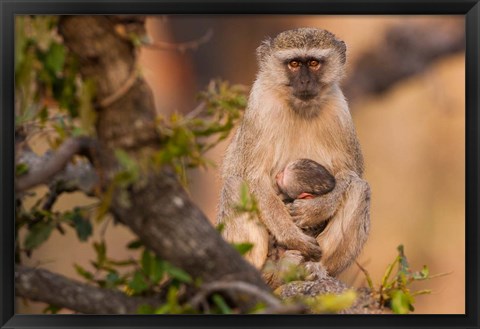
(276,218)
(308,213)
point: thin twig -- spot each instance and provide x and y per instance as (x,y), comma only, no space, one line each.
(196,111)
(120,92)
(181,47)
(238,286)
(54,164)
(367,276)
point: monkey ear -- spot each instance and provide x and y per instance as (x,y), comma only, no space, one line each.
(264,49)
(343,50)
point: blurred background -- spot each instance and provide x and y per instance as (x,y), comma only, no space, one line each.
(406,86)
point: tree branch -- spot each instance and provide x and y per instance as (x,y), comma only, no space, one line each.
(406,49)
(43,169)
(159,210)
(364,304)
(237,286)
(182,46)
(45,286)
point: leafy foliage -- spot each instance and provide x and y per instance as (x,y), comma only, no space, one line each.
(247,202)
(136,278)
(243,248)
(48,87)
(50,93)
(331,303)
(394,292)
(38,233)
(187,138)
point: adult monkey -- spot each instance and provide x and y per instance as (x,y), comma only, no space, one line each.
(297,110)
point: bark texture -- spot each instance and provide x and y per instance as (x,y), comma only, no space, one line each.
(159,210)
(45,286)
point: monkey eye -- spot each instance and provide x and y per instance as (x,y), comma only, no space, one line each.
(314,64)
(293,64)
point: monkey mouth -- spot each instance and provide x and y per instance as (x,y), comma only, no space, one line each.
(305,95)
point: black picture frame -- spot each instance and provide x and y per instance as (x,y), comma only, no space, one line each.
(8,10)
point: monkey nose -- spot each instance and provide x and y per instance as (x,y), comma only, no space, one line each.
(279,177)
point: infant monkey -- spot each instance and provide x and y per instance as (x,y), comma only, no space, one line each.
(300,179)
(304,179)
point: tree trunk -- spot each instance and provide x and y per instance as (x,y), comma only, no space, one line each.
(159,210)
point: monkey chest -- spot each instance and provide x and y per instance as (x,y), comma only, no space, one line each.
(302,145)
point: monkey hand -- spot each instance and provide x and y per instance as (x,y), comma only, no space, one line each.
(297,240)
(314,271)
(307,213)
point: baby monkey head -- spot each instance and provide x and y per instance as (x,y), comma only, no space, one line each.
(302,64)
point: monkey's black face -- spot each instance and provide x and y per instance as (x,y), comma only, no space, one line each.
(304,77)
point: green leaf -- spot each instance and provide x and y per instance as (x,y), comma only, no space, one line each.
(127,262)
(112,280)
(401,302)
(88,115)
(43,115)
(82,225)
(422,292)
(177,273)
(55,58)
(172,300)
(101,250)
(52,309)
(332,303)
(404,267)
(388,271)
(130,169)
(38,234)
(164,309)
(220,227)
(138,283)
(145,309)
(65,88)
(20,40)
(221,304)
(84,273)
(425,271)
(244,195)
(243,248)
(421,275)
(146,262)
(157,270)
(21,169)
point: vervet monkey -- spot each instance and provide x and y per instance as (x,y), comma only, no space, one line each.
(304,179)
(297,110)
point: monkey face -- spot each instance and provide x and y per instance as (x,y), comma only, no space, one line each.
(302,66)
(304,77)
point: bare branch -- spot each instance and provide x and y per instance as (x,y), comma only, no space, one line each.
(55,167)
(181,47)
(407,49)
(236,286)
(45,286)
(120,92)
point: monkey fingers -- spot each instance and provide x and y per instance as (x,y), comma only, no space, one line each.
(307,245)
(315,271)
(305,213)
